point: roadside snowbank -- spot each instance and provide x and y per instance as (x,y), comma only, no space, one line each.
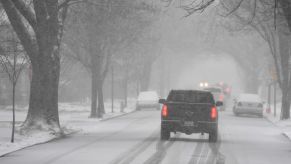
(284,125)
(23,141)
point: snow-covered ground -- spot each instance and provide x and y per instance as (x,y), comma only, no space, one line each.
(284,125)
(74,117)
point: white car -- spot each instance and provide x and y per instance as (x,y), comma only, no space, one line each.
(148,99)
(248,104)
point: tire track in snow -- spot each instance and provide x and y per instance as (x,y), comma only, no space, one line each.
(132,153)
(197,153)
(160,154)
(215,157)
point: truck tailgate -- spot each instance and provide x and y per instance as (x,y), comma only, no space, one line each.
(189,111)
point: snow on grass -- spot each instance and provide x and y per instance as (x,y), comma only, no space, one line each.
(80,121)
(22,141)
(73,118)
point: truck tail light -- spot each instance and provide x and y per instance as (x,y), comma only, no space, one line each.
(165,111)
(213,113)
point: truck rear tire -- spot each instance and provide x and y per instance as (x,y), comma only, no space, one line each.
(213,136)
(165,134)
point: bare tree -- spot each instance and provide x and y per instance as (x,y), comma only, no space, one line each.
(104,31)
(13,61)
(264,16)
(39,28)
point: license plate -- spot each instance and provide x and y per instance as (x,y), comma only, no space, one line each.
(188,123)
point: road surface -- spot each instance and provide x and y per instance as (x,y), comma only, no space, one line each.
(134,138)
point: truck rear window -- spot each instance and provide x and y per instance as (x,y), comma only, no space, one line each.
(190,97)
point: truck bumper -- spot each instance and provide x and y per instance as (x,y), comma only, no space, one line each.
(198,127)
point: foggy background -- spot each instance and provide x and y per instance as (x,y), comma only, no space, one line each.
(187,50)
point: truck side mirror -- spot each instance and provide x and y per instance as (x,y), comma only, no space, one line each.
(162,101)
(219,103)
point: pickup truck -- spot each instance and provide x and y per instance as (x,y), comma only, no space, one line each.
(189,111)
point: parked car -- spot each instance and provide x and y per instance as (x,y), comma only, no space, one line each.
(248,104)
(218,95)
(189,111)
(148,99)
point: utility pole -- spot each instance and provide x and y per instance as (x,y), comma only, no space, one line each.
(269,98)
(275,110)
(112,88)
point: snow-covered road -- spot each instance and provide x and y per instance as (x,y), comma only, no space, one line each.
(134,138)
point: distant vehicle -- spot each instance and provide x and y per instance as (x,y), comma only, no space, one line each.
(226,88)
(203,84)
(248,104)
(218,95)
(148,99)
(189,111)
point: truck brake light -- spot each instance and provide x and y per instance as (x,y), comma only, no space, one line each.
(165,111)
(213,113)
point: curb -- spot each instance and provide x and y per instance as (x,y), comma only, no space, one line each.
(285,135)
(274,124)
(40,143)
(117,116)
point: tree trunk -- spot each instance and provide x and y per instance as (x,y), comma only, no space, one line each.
(43,104)
(285,109)
(285,5)
(284,60)
(125,87)
(93,94)
(13,108)
(43,51)
(101,109)
(137,87)
(145,78)
(125,92)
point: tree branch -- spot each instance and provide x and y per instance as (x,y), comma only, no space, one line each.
(26,11)
(20,28)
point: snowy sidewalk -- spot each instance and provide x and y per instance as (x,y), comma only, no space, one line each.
(284,125)
(73,118)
